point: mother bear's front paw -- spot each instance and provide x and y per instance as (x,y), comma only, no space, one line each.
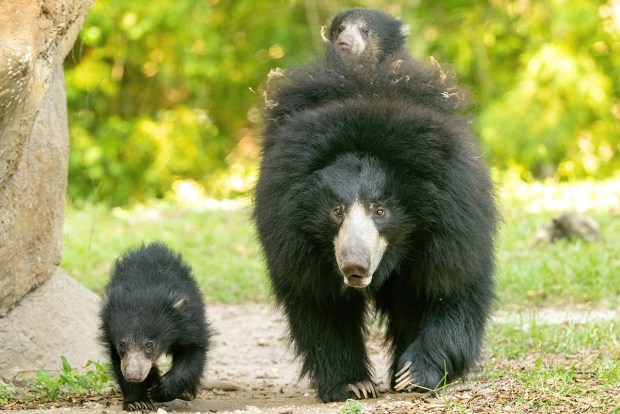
(413,376)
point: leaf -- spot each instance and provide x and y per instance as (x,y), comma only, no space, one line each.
(65,365)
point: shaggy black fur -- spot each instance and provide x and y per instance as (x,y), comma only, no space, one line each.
(153,306)
(390,137)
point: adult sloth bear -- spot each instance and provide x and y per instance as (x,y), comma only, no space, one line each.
(375,194)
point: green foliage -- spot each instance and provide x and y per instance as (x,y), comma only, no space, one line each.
(543,75)
(558,359)
(170,90)
(48,387)
(6,392)
(352,407)
(45,386)
(165,90)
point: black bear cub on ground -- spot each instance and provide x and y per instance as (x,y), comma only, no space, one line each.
(153,306)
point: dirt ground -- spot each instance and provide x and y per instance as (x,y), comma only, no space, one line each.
(251,370)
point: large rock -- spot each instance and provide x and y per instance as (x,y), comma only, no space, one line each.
(57,319)
(35,37)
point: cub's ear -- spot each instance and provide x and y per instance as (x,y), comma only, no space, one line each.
(323,36)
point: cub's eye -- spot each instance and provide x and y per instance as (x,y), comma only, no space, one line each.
(122,346)
(149,346)
(379,211)
(337,212)
(340,28)
(365,30)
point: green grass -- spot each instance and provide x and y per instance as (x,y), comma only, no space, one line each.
(220,244)
(566,272)
(545,365)
(516,341)
(352,407)
(561,273)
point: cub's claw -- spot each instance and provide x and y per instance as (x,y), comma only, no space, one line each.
(186,396)
(139,406)
(365,388)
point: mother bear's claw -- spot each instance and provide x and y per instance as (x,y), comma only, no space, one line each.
(404,377)
(365,388)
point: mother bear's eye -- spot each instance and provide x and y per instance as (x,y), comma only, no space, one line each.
(379,211)
(337,212)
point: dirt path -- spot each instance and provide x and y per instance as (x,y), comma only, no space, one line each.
(250,370)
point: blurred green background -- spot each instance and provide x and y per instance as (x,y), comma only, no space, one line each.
(169,90)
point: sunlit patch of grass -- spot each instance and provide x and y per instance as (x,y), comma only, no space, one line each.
(565,272)
(533,367)
(551,196)
(548,365)
(537,338)
(218,239)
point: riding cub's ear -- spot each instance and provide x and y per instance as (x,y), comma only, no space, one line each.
(405,30)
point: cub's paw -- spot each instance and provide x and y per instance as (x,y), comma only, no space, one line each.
(187,396)
(162,391)
(138,406)
(168,389)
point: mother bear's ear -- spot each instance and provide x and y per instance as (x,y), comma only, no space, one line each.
(180,304)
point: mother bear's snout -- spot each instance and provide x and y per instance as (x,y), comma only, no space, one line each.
(358,247)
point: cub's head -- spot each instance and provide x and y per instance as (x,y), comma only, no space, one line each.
(366,36)
(140,328)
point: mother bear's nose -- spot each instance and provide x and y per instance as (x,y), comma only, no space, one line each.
(355,268)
